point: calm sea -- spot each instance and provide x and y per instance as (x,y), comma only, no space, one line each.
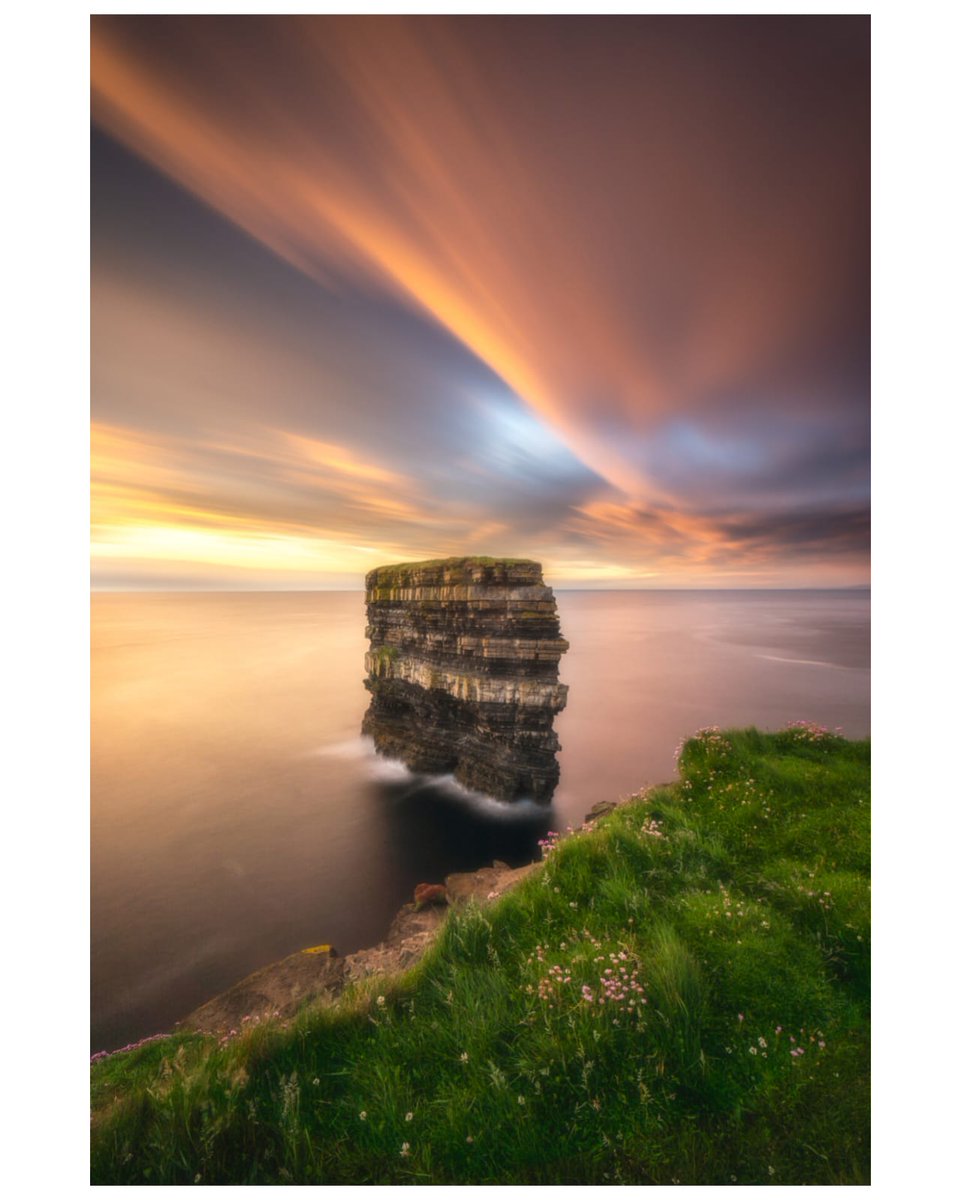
(237,816)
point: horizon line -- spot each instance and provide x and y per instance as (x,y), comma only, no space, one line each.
(846,587)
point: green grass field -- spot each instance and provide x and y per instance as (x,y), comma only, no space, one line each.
(680,995)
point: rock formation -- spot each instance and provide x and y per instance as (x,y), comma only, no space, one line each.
(462,671)
(319,973)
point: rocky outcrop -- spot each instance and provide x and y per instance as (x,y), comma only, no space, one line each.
(319,974)
(429,893)
(462,671)
(277,990)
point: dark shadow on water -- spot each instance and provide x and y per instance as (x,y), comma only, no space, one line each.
(434,830)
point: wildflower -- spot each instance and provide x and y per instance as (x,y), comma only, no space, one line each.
(470,1140)
(521,1100)
(316,1083)
(363,1115)
(752,1049)
(381,1001)
(761,1042)
(409,1117)
(740,1016)
(405,1150)
(464,1057)
(770,1170)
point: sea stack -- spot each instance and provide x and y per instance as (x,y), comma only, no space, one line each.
(462,672)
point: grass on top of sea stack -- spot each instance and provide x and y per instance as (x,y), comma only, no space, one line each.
(680,995)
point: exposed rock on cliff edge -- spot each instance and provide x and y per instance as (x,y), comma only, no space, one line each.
(319,973)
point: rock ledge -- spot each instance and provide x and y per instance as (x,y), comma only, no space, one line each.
(319,973)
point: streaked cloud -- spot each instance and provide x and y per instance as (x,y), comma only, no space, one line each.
(594,290)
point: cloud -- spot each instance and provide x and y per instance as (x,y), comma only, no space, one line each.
(270,502)
(832,541)
(623,220)
(593,291)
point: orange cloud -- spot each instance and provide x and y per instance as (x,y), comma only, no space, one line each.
(404,151)
(622,236)
(165,499)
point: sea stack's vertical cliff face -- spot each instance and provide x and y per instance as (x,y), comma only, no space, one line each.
(462,671)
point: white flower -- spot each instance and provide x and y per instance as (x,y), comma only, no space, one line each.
(409,1117)
(464,1057)
(381,1001)
(405,1150)
(521,1100)
(363,1116)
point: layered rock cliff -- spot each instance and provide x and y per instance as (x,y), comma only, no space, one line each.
(462,671)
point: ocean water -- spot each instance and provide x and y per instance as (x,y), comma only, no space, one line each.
(237,816)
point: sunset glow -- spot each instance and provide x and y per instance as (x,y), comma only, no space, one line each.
(591,292)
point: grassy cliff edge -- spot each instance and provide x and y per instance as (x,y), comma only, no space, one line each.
(680,994)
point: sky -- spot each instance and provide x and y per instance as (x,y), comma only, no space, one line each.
(593,291)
